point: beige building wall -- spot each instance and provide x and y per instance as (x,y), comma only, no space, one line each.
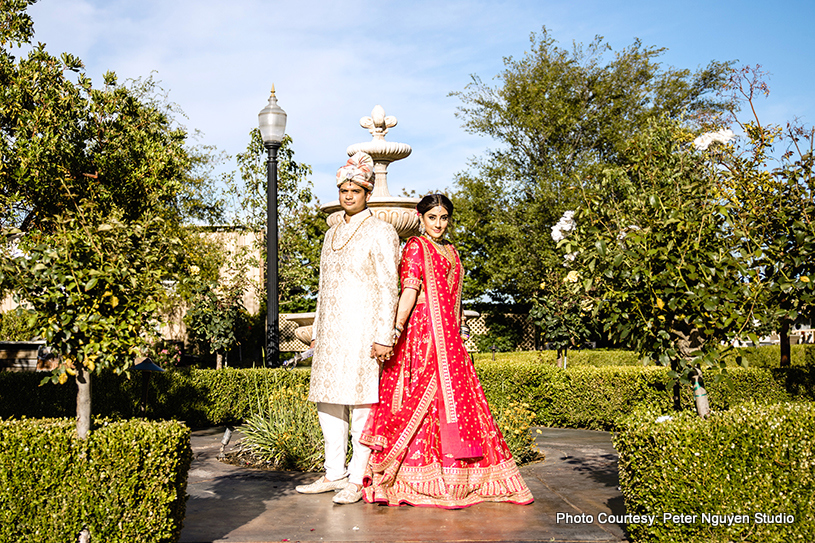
(236,242)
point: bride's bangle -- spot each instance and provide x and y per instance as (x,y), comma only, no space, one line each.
(397,332)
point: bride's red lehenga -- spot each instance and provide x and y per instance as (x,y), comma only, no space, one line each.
(433,437)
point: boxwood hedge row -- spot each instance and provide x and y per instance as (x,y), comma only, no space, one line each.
(126,483)
(747,474)
(580,396)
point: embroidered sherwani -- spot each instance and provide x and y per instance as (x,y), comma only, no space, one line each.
(356,306)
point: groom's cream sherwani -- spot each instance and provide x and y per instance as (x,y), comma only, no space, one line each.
(356,306)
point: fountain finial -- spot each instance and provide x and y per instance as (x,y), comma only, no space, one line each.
(383,152)
(378,124)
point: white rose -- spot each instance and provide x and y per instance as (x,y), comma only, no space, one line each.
(705,140)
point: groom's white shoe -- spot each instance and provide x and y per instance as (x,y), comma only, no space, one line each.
(322,485)
(350,494)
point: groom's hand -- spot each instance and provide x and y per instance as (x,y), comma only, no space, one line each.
(381,352)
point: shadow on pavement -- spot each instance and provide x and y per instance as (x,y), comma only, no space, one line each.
(240,505)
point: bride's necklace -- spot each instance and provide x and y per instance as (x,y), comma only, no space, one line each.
(349,238)
(443,250)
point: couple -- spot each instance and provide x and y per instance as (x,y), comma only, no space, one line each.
(422,434)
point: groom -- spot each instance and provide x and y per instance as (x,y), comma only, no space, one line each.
(353,328)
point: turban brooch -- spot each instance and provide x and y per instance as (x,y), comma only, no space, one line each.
(359,169)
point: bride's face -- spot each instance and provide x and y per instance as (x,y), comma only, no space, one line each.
(435,222)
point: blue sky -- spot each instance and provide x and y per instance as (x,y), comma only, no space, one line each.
(332,61)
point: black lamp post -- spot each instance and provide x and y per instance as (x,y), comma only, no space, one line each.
(272,124)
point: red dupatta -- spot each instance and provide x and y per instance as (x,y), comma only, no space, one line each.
(460,429)
(448,379)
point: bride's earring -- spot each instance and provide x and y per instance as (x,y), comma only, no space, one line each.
(421,228)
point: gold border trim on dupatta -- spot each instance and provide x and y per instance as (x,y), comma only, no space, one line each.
(438,334)
(410,429)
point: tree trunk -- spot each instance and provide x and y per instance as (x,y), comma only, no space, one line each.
(784,341)
(677,389)
(83,402)
(561,358)
(219,361)
(83,420)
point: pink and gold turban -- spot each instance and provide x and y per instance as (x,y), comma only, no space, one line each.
(359,169)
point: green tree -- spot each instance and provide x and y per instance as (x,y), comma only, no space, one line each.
(562,311)
(200,200)
(98,182)
(654,244)
(559,118)
(766,177)
(217,314)
(62,140)
(301,224)
(95,286)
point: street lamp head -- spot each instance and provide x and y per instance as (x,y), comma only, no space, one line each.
(272,121)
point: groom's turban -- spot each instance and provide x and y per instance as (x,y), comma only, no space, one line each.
(359,169)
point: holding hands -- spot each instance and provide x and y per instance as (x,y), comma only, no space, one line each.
(381,352)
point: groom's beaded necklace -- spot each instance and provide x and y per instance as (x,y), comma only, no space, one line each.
(350,237)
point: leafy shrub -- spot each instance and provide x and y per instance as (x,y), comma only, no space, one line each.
(217,317)
(600,397)
(197,397)
(514,421)
(166,354)
(581,396)
(504,333)
(751,460)
(765,356)
(576,357)
(125,483)
(284,430)
(769,356)
(16,325)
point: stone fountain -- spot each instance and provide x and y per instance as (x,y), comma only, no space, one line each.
(400,211)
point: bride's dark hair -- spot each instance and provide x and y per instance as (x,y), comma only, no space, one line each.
(434,200)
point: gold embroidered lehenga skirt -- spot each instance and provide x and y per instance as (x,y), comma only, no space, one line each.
(434,441)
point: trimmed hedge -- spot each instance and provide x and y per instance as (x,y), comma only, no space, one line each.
(197,397)
(600,397)
(126,483)
(766,356)
(580,396)
(752,467)
(577,357)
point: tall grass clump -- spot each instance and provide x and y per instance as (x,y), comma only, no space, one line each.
(283,429)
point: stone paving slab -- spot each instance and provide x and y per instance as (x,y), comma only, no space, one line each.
(233,504)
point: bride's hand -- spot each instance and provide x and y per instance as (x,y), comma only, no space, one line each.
(381,352)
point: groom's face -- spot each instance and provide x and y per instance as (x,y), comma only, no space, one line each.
(353,198)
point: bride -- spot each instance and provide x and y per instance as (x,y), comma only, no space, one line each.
(433,437)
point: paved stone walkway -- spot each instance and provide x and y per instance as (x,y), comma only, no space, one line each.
(233,504)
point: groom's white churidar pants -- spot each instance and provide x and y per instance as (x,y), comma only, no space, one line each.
(334,421)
